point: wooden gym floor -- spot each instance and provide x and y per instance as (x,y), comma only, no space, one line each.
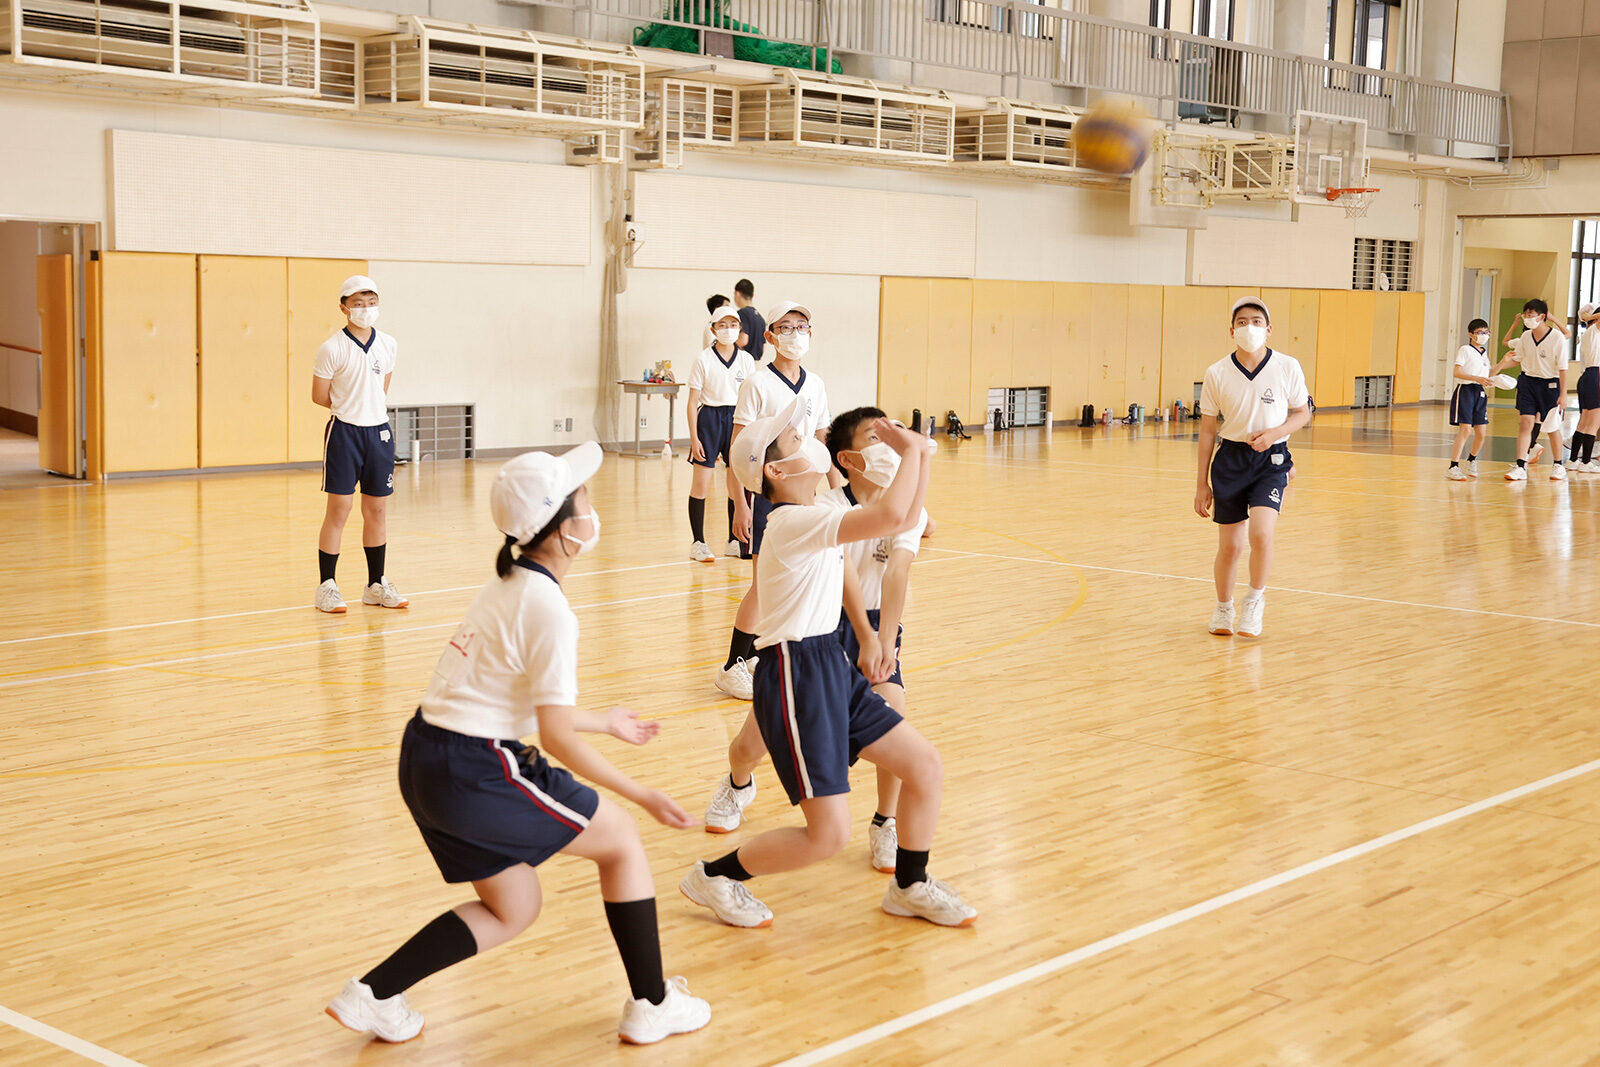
(1184,849)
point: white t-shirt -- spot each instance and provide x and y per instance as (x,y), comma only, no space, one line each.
(767,392)
(871,558)
(516,648)
(1250,403)
(1472,361)
(357,374)
(1541,359)
(800,580)
(1589,347)
(717,381)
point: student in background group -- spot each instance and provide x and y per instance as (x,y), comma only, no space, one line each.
(754,328)
(1469,401)
(714,383)
(1540,346)
(1588,392)
(713,302)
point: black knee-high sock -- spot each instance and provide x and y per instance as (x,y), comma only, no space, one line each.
(375,555)
(909,867)
(743,646)
(730,520)
(327,563)
(443,943)
(697,517)
(633,928)
(1588,447)
(728,867)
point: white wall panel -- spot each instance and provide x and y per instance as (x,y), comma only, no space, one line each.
(811,229)
(208,195)
(1315,253)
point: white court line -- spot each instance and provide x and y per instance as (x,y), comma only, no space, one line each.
(297,607)
(1106,944)
(64,1040)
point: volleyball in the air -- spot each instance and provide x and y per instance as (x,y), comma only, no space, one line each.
(1113,136)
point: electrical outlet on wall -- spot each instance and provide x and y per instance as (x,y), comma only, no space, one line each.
(644,422)
(569,425)
(558,426)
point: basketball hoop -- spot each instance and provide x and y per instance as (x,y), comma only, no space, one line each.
(1354,201)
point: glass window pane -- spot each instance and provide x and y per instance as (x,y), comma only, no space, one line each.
(1586,287)
(1591,235)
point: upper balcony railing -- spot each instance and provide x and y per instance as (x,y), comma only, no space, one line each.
(1181,76)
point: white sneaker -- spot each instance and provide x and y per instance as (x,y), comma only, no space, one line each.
(644,1023)
(701,553)
(1456,474)
(882,843)
(1471,467)
(1534,453)
(726,810)
(1222,620)
(734,549)
(1517,474)
(731,901)
(381,594)
(1558,472)
(1591,467)
(736,680)
(389,1020)
(929,899)
(328,598)
(1250,617)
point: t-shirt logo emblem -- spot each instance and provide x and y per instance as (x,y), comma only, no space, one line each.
(1267,397)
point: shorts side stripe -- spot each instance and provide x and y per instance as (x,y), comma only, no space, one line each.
(541,800)
(327,433)
(791,725)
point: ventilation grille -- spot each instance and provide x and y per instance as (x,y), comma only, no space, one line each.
(1025,406)
(436,431)
(1379,260)
(846,120)
(1373,391)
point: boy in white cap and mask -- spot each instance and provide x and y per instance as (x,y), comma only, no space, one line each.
(351,378)
(815,711)
(766,392)
(714,382)
(492,809)
(1588,392)
(1260,397)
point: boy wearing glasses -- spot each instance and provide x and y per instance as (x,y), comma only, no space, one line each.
(769,390)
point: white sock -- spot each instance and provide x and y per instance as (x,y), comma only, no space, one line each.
(1255,594)
(1225,603)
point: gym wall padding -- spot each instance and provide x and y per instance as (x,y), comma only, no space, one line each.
(1115,345)
(244,377)
(148,381)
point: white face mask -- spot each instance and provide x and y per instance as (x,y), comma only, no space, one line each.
(879,463)
(363,317)
(795,346)
(586,545)
(1250,338)
(1480,339)
(727,334)
(814,452)
(1531,321)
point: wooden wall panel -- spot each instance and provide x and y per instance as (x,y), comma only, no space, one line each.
(244,369)
(313,314)
(1294,328)
(1408,348)
(1144,331)
(1071,309)
(94,404)
(1194,335)
(148,306)
(949,347)
(1385,331)
(994,314)
(1333,355)
(1360,305)
(58,365)
(1033,336)
(1108,347)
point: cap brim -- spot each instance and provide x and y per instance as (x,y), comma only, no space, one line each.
(1552,421)
(581,462)
(757,437)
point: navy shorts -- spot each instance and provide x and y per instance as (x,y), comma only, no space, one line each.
(816,713)
(852,647)
(760,508)
(1242,478)
(1469,405)
(353,455)
(485,805)
(1537,396)
(1589,389)
(714,427)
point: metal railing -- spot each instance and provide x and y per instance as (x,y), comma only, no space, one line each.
(1181,76)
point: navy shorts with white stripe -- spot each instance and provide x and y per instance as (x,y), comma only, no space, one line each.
(484,805)
(816,713)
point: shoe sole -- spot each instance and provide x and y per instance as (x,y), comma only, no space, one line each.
(376,1037)
(731,693)
(1246,633)
(1221,633)
(717,830)
(395,607)
(882,870)
(968,921)
(334,611)
(628,1040)
(758,926)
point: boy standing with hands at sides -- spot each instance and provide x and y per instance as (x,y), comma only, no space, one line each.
(1588,393)
(714,383)
(1469,402)
(815,711)
(1542,385)
(765,393)
(1260,397)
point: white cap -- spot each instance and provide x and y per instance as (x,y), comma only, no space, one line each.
(1250,302)
(750,447)
(357,283)
(530,488)
(1586,312)
(783,308)
(1503,381)
(726,311)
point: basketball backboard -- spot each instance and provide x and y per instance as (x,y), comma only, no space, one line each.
(1330,152)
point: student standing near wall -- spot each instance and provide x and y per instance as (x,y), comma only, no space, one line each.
(753,339)
(351,378)
(1588,393)
(714,383)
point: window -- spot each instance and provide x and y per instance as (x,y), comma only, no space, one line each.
(994,15)
(1370,48)
(1585,275)
(1214,18)
(1382,264)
